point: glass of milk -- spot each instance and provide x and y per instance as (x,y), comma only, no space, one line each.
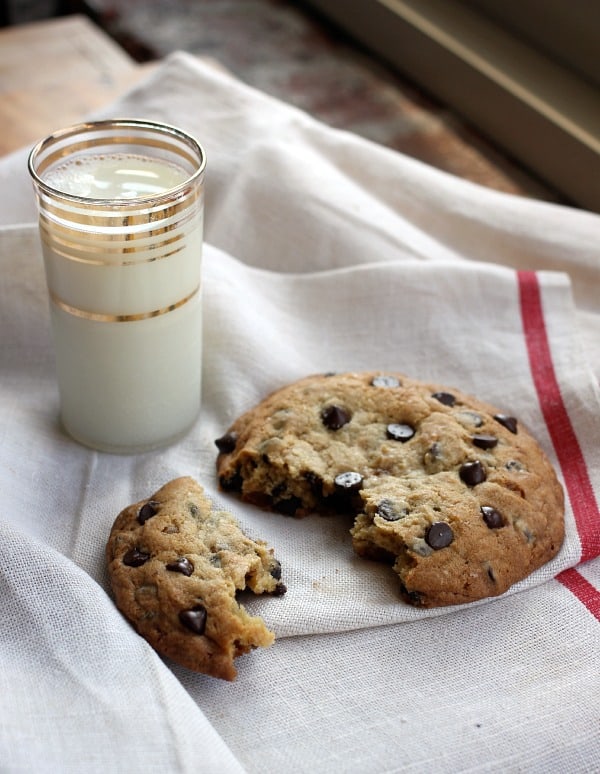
(120,215)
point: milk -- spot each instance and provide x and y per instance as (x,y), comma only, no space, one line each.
(125,299)
(114,176)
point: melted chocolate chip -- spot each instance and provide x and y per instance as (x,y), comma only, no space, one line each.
(287,506)
(384,380)
(135,557)
(194,619)
(348,482)
(472,473)
(147,511)
(182,565)
(510,423)
(492,517)
(388,511)
(445,397)
(515,465)
(315,482)
(399,432)
(484,441)
(439,535)
(232,483)
(226,443)
(278,490)
(334,417)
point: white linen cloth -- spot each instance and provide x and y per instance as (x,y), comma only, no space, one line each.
(324,252)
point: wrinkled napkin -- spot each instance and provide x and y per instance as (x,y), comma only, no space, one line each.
(324,252)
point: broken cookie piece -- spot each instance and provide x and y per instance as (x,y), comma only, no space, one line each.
(175,565)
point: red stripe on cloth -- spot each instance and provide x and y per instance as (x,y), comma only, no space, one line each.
(582,589)
(566,444)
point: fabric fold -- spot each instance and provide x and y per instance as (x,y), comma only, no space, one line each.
(75,671)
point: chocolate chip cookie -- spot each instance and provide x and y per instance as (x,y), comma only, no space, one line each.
(451,491)
(175,565)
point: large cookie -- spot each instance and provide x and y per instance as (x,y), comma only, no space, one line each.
(455,494)
(175,565)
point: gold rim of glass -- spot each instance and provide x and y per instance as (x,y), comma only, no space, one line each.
(88,127)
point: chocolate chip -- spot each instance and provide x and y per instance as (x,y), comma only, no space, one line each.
(384,380)
(287,506)
(485,441)
(399,432)
(524,528)
(315,482)
(284,502)
(182,565)
(194,619)
(227,443)
(419,547)
(275,569)
(279,590)
(135,557)
(388,511)
(435,450)
(513,465)
(348,482)
(412,597)
(492,517)
(439,535)
(510,423)
(470,418)
(433,456)
(278,490)
(491,573)
(445,397)
(334,417)
(472,473)
(231,483)
(147,511)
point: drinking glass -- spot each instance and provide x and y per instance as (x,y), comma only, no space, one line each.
(120,206)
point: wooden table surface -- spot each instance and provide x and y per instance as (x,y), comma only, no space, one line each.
(53,73)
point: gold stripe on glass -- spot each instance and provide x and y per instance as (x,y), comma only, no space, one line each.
(122,216)
(97,317)
(100,254)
